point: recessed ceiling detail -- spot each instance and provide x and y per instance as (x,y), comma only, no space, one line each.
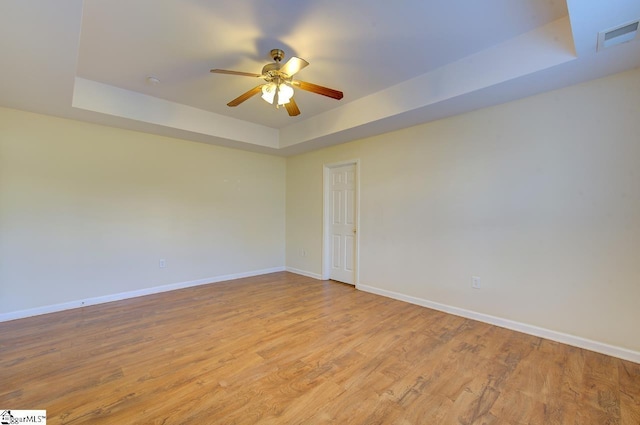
(397,66)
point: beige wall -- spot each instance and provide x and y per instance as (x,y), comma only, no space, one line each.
(540,198)
(88,211)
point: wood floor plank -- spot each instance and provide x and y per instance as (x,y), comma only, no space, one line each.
(283,348)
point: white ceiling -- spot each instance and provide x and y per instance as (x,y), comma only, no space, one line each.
(398,63)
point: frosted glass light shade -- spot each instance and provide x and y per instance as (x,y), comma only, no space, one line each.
(268,92)
(285,93)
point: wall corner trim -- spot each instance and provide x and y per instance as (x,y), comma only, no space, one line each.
(21,314)
(576,341)
(304,273)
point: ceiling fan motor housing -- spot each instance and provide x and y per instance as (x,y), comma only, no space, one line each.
(271,69)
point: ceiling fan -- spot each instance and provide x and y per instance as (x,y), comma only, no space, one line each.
(279,83)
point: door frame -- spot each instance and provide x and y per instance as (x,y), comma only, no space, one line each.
(326,213)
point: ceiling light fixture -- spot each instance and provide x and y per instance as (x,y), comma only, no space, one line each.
(278,87)
(272,91)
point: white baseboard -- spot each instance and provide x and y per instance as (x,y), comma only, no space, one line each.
(5,317)
(305,273)
(576,341)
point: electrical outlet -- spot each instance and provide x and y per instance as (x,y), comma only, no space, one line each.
(475,282)
(163,263)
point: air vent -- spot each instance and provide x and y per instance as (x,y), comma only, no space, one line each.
(620,34)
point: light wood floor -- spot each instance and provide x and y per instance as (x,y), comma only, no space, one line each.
(285,349)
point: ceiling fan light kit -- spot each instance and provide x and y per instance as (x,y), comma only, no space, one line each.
(282,92)
(278,87)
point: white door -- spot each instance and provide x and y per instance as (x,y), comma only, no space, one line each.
(342,225)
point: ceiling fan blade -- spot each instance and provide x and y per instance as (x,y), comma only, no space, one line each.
(292,108)
(314,88)
(238,100)
(293,65)
(244,74)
